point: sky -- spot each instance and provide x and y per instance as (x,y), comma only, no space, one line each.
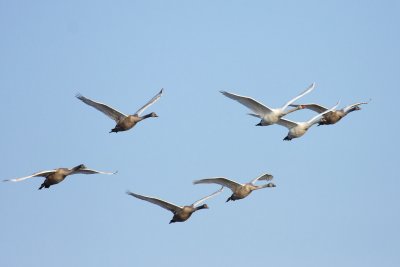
(336,200)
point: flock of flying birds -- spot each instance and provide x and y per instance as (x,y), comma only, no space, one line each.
(267,115)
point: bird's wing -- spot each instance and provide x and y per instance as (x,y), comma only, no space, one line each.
(37,174)
(90,171)
(163,204)
(308,90)
(232,185)
(287,123)
(109,111)
(313,107)
(319,116)
(250,103)
(353,105)
(151,102)
(207,197)
(264,177)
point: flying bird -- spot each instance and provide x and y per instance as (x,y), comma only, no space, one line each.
(267,115)
(333,116)
(124,122)
(298,129)
(58,175)
(181,213)
(240,191)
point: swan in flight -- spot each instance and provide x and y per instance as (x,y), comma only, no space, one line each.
(58,175)
(181,213)
(267,115)
(333,116)
(240,191)
(124,122)
(298,129)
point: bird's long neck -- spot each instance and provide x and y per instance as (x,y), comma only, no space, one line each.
(285,112)
(251,187)
(200,207)
(265,185)
(258,187)
(145,116)
(80,166)
(74,169)
(350,110)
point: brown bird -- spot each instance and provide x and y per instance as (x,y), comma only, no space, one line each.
(58,175)
(240,191)
(333,116)
(124,122)
(181,213)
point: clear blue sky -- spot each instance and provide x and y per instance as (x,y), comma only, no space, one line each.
(337,197)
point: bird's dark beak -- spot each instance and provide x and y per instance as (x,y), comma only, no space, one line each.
(259,124)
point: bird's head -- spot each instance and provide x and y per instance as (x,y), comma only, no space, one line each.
(204,206)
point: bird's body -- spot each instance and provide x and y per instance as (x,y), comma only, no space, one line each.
(181,213)
(239,191)
(273,116)
(332,117)
(242,191)
(123,122)
(185,213)
(297,130)
(267,115)
(129,122)
(56,176)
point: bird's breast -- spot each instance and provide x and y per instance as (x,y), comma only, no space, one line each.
(270,118)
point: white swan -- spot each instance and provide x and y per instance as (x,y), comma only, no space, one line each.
(267,115)
(298,129)
(239,190)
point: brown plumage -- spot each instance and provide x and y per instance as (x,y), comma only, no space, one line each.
(124,122)
(239,191)
(181,213)
(333,116)
(56,176)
